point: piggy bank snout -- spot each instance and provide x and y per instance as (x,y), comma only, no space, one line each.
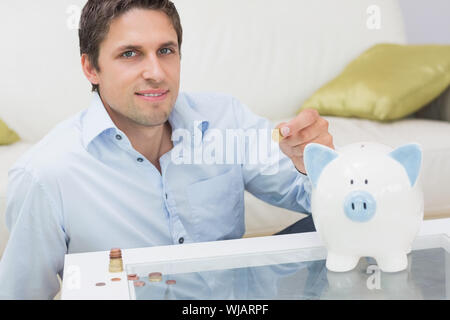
(359,206)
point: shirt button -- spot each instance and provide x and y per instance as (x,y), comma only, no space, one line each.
(140,160)
(181,240)
(118,137)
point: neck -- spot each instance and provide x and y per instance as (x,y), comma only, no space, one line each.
(151,141)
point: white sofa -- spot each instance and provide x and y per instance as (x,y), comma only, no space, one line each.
(272,55)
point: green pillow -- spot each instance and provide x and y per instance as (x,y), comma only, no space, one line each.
(387,82)
(7,136)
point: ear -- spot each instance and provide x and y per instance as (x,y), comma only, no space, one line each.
(88,69)
(316,158)
(410,157)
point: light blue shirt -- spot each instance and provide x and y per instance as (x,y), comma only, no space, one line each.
(84,188)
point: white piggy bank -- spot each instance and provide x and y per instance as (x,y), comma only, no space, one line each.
(366,201)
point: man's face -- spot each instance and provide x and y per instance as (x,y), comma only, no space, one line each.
(139,60)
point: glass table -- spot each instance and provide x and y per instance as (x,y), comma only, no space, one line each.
(288,267)
(296,274)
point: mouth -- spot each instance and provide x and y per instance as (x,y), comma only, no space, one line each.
(152,95)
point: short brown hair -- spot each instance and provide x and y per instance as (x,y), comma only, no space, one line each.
(97,16)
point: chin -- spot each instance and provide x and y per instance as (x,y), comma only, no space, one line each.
(152,120)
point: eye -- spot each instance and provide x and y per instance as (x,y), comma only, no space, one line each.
(165,51)
(366,182)
(128,54)
(351,181)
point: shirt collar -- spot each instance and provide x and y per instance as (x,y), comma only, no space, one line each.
(96,120)
(183,116)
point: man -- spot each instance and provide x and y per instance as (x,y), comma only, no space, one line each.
(110,176)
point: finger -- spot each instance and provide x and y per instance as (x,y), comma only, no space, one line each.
(325,139)
(307,134)
(304,119)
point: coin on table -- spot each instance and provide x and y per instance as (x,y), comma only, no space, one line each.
(100,284)
(171,282)
(133,277)
(139,283)
(155,276)
(116,279)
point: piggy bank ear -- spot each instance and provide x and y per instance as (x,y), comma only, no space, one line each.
(410,157)
(316,158)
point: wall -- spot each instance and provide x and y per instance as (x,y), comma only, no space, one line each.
(427,21)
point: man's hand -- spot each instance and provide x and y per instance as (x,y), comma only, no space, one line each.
(308,126)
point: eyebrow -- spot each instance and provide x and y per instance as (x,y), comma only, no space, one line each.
(137,47)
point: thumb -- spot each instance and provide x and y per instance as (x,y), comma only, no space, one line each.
(283,129)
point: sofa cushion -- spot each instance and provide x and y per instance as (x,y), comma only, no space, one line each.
(387,82)
(7,136)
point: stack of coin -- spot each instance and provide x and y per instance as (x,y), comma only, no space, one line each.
(115,260)
(155,277)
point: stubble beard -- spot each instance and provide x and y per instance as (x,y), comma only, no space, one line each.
(157,116)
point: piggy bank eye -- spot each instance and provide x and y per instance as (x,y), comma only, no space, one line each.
(366,181)
(351,181)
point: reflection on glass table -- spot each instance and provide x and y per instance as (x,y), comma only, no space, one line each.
(297,274)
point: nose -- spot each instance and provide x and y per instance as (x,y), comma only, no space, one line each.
(153,69)
(359,206)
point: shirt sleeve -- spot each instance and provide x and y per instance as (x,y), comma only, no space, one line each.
(273,177)
(37,244)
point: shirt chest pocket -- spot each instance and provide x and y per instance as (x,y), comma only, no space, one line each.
(217,206)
